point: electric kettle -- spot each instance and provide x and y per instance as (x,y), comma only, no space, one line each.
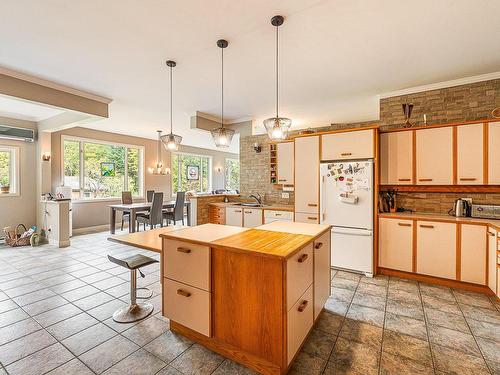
(461,208)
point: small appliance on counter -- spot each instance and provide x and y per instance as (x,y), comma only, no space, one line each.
(486,211)
(461,208)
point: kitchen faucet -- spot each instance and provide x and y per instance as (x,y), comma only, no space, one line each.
(258,198)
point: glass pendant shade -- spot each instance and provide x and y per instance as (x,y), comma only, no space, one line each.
(277,127)
(171,141)
(222,137)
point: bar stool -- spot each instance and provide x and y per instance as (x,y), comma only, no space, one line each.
(136,310)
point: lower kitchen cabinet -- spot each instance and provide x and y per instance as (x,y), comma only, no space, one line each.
(436,249)
(396,244)
(234,216)
(216,214)
(492,258)
(301,217)
(321,272)
(473,253)
(252,217)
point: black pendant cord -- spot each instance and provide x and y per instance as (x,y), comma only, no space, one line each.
(222,88)
(171,101)
(277,72)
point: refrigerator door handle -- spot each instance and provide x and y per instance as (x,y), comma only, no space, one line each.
(352,232)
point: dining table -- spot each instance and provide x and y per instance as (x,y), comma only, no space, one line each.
(134,208)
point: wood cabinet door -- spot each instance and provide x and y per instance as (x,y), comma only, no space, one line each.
(252,217)
(470,158)
(285,162)
(396,158)
(234,216)
(494,153)
(492,258)
(396,244)
(434,156)
(307,174)
(299,321)
(473,254)
(349,145)
(437,249)
(322,277)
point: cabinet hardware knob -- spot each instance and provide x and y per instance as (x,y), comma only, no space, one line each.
(491,234)
(467,179)
(345,154)
(183,293)
(183,250)
(303,306)
(425,179)
(302,258)
(426,226)
(404,179)
(404,225)
(312,218)
(318,245)
(312,205)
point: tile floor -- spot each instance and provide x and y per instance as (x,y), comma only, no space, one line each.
(56,307)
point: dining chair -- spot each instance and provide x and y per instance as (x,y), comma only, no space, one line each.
(154,216)
(178,212)
(149,195)
(126,199)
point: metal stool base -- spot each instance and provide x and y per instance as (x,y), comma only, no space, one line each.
(133,313)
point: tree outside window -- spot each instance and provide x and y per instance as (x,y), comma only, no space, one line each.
(180,179)
(232,174)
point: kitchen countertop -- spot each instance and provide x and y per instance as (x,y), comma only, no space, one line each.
(203,234)
(295,228)
(441,217)
(264,207)
(149,240)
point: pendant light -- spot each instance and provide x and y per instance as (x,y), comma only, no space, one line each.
(171,141)
(222,136)
(277,127)
(158,169)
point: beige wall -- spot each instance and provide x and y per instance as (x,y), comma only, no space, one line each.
(89,214)
(21,209)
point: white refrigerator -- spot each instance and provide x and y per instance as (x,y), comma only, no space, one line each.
(347,204)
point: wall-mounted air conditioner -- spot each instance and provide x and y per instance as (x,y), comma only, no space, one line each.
(17,134)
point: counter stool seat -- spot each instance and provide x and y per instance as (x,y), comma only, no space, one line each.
(136,310)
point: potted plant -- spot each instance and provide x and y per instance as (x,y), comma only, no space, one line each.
(4,185)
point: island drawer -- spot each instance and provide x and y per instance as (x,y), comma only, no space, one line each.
(299,274)
(187,263)
(187,305)
(299,322)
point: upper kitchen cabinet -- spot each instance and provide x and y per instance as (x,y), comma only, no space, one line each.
(396,158)
(348,145)
(470,156)
(434,153)
(307,174)
(285,162)
(494,153)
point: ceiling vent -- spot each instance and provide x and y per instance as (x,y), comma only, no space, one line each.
(17,134)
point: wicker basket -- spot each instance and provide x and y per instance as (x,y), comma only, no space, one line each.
(13,238)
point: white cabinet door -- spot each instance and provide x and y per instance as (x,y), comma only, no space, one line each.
(307,175)
(473,254)
(434,156)
(349,145)
(285,162)
(494,153)
(321,272)
(470,154)
(492,258)
(396,158)
(396,244)
(252,217)
(234,216)
(301,217)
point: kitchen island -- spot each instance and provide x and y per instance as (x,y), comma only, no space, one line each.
(251,295)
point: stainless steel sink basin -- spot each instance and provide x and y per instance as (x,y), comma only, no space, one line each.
(251,205)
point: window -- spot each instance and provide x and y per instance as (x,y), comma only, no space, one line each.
(191,173)
(232,174)
(9,170)
(97,169)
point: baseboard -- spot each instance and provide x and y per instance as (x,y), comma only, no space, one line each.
(437,280)
(96,228)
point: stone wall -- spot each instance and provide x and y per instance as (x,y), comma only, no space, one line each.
(454,104)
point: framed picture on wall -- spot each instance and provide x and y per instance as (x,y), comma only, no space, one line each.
(108,169)
(193,172)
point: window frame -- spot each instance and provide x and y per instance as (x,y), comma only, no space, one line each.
(225,180)
(81,182)
(14,171)
(209,171)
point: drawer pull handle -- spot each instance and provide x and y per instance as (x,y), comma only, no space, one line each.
(237,211)
(312,218)
(283,179)
(346,154)
(404,225)
(426,226)
(467,179)
(302,258)
(303,306)
(183,293)
(277,214)
(404,179)
(183,250)
(491,234)
(425,179)
(312,205)
(318,245)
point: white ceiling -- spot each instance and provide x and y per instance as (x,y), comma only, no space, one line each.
(337,55)
(23,110)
